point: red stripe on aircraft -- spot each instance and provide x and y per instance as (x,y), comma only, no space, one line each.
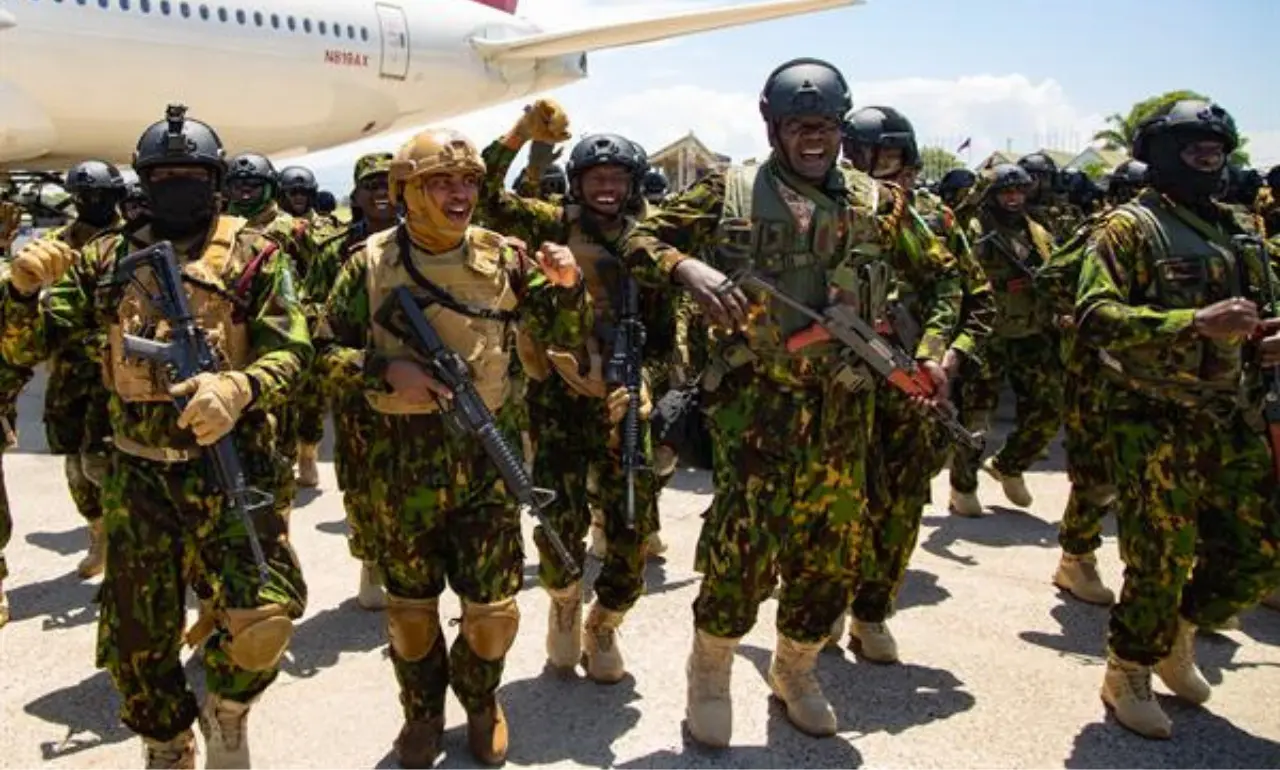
(506,6)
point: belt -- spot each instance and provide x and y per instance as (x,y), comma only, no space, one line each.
(155,454)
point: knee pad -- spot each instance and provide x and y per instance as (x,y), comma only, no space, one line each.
(1101,495)
(413,625)
(490,629)
(259,636)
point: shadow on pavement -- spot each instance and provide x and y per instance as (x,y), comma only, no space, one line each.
(67,602)
(1002,528)
(1200,739)
(88,709)
(920,589)
(1083,630)
(319,641)
(65,543)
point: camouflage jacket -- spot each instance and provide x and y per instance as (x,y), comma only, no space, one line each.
(1060,217)
(978,311)
(687,224)
(296,235)
(334,253)
(83,303)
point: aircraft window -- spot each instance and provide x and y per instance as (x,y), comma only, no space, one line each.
(351,31)
(185,10)
(204,12)
(103,3)
(124,5)
(306,26)
(164,6)
(364,34)
(275,21)
(292,26)
(145,5)
(322,27)
(257,19)
(240,16)
(337,30)
(222,15)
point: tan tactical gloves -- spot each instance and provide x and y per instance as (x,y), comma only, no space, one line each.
(216,403)
(39,264)
(543,121)
(10,221)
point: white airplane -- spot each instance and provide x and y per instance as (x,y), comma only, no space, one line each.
(82,78)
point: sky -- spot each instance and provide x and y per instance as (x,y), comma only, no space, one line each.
(1019,74)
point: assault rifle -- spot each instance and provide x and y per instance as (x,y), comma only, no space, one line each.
(186,354)
(401,315)
(1029,275)
(842,323)
(624,369)
(1271,374)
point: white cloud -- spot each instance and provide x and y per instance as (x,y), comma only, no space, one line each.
(1263,148)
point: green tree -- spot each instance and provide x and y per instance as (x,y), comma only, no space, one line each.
(1121,129)
(1096,170)
(937,161)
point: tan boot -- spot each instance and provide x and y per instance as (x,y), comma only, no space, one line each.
(836,634)
(487,735)
(709,706)
(95,560)
(564,627)
(372,595)
(1078,576)
(791,676)
(1126,688)
(601,655)
(873,641)
(226,732)
(654,546)
(966,504)
(1014,485)
(1273,600)
(308,471)
(177,753)
(1179,671)
(418,743)
(4,608)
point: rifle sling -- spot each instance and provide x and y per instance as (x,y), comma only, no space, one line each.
(439,295)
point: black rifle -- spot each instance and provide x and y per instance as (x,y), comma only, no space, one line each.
(185,355)
(402,315)
(624,369)
(1002,246)
(1252,245)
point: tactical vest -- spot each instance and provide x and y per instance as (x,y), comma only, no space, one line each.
(1187,271)
(759,230)
(211,295)
(1019,311)
(476,274)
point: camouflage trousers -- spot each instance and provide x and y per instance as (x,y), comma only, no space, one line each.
(85,471)
(1198,498)
(6,516)
(790,475)
(572,437)
(301,421)
(1034,370)
(442,515)
(910,451)
(166,525)
(353,425)
(1090,460)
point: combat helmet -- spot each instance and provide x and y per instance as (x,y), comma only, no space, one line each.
(180,141)
(877,128)
(805,87)
(93,175)
(606,150)
(434,151)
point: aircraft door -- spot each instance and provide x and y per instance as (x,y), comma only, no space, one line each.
(394,29)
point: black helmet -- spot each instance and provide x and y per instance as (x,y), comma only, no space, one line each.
(325,202)
(1183,118)
(1038,163)
(655,182)
(297,178)
(805,87)
(250,165)
(180,141)
(605,150)
(955,180)
(879,127)
(93,175)
(1131,172)
(554,181)
(1008,175)
(1243,184)
(132,186)
(1273,178)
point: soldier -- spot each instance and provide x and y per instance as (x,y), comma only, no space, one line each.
(1128,179)
(75,405)
(573,418)
(353,420)
(881,142)
(1010,246)
(298,191)
(134,205)
(554,185)
(161,509)
(791,432)
(251,193)
(442,510)
(1172,303)
(1046,203)
(955,185)
(655,185)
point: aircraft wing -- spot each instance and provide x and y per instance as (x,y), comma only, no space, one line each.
(617,34)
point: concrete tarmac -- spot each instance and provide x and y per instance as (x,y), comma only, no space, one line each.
(1000,669)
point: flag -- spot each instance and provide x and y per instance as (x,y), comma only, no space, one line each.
(965,145)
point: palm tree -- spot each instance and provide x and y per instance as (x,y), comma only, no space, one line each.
(1121,129)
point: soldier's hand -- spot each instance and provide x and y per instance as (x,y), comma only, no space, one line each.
(544,121)
(1234,318)
(411,382)
(216,403)
(724,304)
(39,264)
(558,264)
(619,400)
(1269,348)
(938,376)
(10,221)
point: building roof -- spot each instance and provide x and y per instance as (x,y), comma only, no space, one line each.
(691,142)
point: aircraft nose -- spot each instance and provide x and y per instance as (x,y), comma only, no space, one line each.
(7,20)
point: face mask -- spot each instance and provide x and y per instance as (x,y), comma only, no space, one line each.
(1173,177)
(181,206)
(427,223)
(96,210)
(251,207)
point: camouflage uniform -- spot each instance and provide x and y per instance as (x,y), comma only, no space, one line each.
(569,421)
(12,380)
(1195,474)
(442,511)
(1059,216)
(1023,348)
(791,432)
(162,515)
(911,448)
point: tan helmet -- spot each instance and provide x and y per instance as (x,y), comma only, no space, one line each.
(433,151)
